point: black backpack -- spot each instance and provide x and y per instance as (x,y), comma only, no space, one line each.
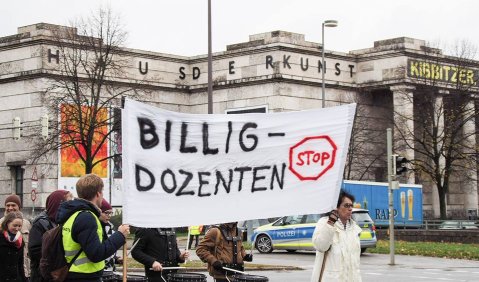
(53,265)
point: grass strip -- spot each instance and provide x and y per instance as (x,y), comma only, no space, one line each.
(430,249)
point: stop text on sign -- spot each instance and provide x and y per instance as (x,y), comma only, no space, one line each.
(308,157)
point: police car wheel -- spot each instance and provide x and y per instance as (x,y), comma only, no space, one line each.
(264,245)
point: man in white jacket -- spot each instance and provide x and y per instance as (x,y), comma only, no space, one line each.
(336,240)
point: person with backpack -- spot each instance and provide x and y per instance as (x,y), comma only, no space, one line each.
(222,247)
(11,248)
(43,222)
(82,232)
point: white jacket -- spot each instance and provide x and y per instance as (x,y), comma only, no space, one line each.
(342,260)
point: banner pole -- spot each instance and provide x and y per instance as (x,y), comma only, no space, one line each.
(187,240)
(124,262)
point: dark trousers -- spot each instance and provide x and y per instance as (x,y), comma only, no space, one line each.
(191,241)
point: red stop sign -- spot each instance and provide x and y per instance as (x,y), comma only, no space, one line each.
(312,157)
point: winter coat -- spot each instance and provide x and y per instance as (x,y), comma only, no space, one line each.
(40,225)
(214,247)
(84,232)
(11,261)
(26,226)
(153,245)
(343,251)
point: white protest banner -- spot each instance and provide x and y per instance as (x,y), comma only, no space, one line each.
(189,169)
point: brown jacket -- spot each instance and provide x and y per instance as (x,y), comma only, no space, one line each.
(214,247)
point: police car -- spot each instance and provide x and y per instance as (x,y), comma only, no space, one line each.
(292,233)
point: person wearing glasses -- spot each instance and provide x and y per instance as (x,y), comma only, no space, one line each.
(105,216)
(336,240)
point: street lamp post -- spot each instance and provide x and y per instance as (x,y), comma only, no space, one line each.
(327,23)
(210,63)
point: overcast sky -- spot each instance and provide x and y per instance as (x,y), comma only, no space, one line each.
(180,26)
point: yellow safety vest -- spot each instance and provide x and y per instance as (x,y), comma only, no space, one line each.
(82,264)
(195,230)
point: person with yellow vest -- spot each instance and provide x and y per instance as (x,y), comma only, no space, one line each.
(195,232)
(83,231)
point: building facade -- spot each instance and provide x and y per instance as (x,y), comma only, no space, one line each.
(272,72)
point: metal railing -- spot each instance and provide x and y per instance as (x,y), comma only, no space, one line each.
(450,224)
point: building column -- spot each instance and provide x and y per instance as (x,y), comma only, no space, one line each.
(403,107)
(469,186)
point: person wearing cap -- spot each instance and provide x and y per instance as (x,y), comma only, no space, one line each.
(108,229)
(13,203)
(41,224)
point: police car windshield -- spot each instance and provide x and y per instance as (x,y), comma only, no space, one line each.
(362,217)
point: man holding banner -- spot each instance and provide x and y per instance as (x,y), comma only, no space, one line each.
(83,233)
(157,248)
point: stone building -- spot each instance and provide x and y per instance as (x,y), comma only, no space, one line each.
(272,72)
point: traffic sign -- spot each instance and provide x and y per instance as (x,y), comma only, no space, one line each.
(33,195)
(34,175)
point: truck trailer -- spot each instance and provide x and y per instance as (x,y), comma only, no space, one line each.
(373,196)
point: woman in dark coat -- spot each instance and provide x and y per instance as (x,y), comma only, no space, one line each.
(42,223)
(11,249)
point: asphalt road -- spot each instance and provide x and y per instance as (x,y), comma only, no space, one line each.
(374,267)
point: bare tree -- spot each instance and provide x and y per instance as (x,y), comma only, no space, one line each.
(443,135)
(361,161)
(89,79)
